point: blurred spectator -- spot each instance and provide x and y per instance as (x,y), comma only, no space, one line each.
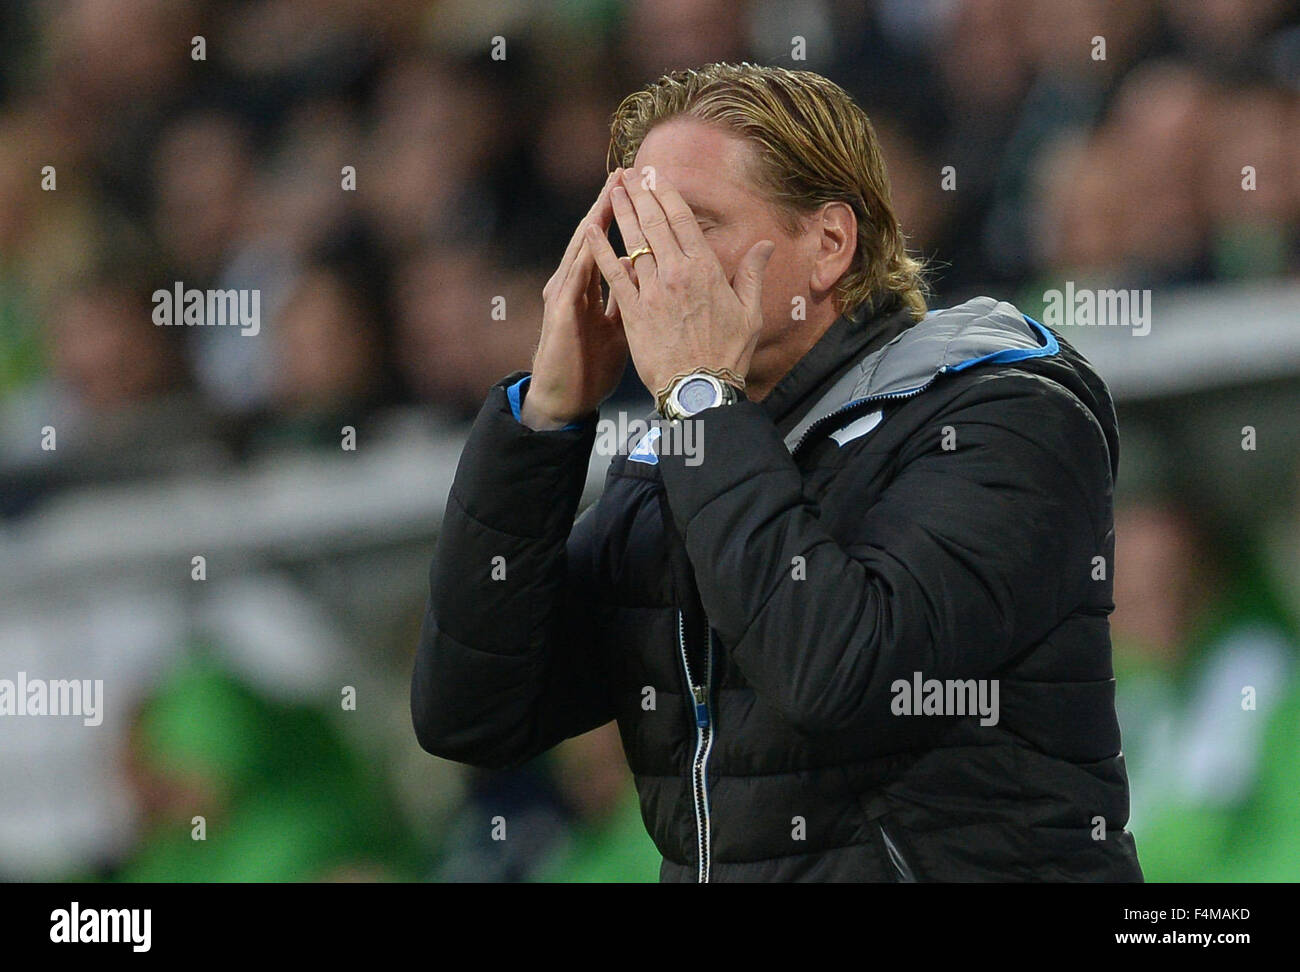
(1225,34)
(1158,124)
(1250,180)
(608,841)
(327,363)
(668,35)
(422,175)
(114,405)
(202,173)
(270,786)
(572,816)
(449,344)
(1206,663)
(106,355)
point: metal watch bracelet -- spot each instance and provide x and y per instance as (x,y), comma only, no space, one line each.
(725,375)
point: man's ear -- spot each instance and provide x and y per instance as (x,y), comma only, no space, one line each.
(836,226)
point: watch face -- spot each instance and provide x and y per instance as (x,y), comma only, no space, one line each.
(697,394)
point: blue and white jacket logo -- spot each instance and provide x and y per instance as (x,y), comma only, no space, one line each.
(644,451)
(858,428)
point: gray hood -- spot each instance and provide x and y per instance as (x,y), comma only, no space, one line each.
(980,331)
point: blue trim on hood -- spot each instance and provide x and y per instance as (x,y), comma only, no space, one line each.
(1050,346)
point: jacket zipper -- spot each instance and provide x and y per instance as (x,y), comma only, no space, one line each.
(700,693)
(901,869)
(844,410)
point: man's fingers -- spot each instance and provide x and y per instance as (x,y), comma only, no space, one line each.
(612,269)
(651,220)
(580,271)
(594,295)
(680,218)
(611,308)
(629,226)
(749,276)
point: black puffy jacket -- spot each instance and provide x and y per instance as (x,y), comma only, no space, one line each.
(915,504)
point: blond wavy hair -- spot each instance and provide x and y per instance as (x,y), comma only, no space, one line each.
(813,145)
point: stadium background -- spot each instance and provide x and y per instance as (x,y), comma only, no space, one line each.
(226,696)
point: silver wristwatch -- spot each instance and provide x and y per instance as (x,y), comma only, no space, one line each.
(696,392)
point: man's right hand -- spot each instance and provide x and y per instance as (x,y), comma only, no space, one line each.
(582,351)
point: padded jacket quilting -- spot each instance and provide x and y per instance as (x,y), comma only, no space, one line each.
(807,567)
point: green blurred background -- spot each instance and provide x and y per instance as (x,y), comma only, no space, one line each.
(229,699)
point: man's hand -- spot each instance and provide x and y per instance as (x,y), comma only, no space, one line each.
(582,351)
(679,313)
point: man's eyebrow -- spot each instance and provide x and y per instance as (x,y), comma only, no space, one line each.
(703,212)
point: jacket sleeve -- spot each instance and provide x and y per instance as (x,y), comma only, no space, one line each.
(966,557)
(507,663)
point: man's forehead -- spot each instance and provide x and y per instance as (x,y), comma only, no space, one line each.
(700,160)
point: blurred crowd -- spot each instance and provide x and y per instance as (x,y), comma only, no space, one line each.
(381,172)
(397,178)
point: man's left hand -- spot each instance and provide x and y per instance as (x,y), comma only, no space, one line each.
(681,314)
